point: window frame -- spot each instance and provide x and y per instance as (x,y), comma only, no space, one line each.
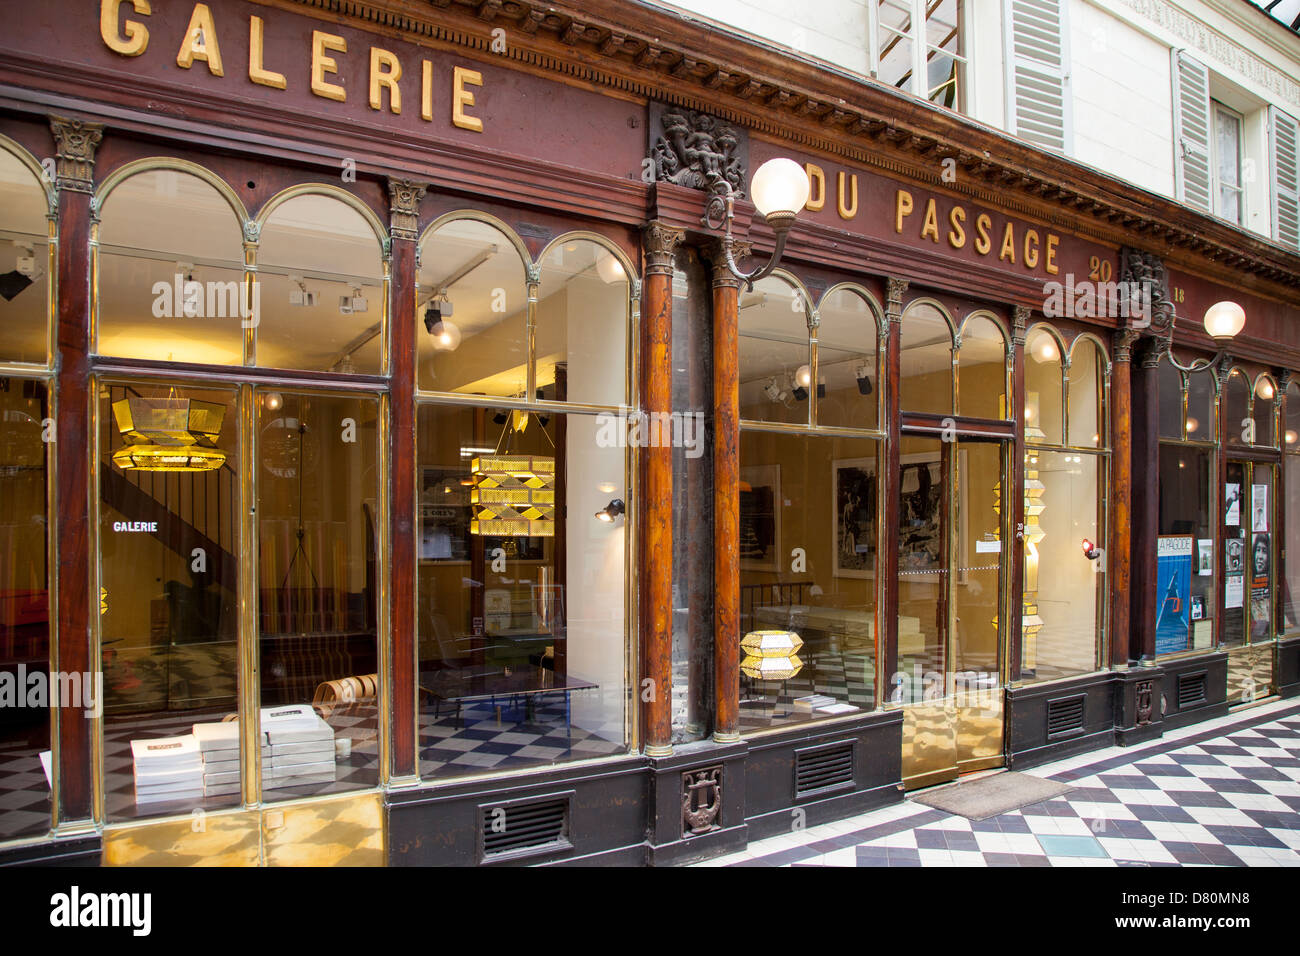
(1217,107)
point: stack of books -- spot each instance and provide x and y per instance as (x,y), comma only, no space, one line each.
(806,705)
(167,768)
(301,747)
(219,750)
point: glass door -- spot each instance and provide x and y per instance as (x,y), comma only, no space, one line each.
(951,599)
(1248,560)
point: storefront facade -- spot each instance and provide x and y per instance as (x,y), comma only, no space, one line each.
(389,379)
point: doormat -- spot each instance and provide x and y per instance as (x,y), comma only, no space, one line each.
(990,796)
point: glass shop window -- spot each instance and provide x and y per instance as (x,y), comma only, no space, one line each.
(807,569)
(847,358)
(169,556)
(320,271)
(473,310)
(927,360)
(1239,426)
(775,354)
(1187,594)
(318,581)
(1289,586)
(24,264)
(170,272)
(982,369)
(524,649)
(1064,611)
(25,806)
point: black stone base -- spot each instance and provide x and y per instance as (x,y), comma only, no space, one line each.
(1286,667)
(671,840)
(1033,740)
(775,804)
(1138,716)
(64,851)
(1194,689)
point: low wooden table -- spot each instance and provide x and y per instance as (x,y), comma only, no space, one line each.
(471,685)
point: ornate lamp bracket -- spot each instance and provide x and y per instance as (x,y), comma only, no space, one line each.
(720,213)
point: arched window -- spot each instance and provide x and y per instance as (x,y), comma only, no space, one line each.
(523,492)
(1044,386)
(810,502)
(473,310)
(321,288)
(775,352)
(24,261)
(1066,466)
(848,335)
(169,268)
(982,369)
(926,359)
(1238,425)
(1263,407)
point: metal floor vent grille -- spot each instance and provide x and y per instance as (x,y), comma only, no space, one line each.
(822,769)
(525,828)
(1065,716)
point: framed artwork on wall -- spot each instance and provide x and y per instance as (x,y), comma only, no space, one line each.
(853,517)
(760,517)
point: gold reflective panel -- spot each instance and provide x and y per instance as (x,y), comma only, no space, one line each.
(1250,673)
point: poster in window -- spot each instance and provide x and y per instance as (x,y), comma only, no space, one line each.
(1232,504)
(760,517)
(1233,556)
(1233,590)
(1205,557)
(1261,604)
(854,517)
(1174,579)
(1259,507)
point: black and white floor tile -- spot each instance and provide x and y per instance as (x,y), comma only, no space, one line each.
(1225,793)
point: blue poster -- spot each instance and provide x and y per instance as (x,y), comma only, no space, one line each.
(1174,592)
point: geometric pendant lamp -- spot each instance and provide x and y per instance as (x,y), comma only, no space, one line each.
(169,434)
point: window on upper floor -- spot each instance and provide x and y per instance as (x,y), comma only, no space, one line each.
(912,38)
(1228,198)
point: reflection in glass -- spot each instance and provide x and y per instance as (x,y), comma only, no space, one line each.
(522,647)
(818,495)
(926,361)
(472,312)
(24,264)
(773,350)
(170,272)
(1265,393)
(320,276)
(1064,589)
(894,36)
(1200,407)
(24,607)
(1237,424)
(168,564)
(1170,384)
(317,533)
(846,359)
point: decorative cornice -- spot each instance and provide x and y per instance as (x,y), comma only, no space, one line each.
(658,54)
(75,141)
(660,243)
(404,197)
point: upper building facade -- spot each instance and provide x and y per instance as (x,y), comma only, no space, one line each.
(1192,100)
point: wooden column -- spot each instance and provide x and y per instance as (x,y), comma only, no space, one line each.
(726,498)
(1145,495)
(887,548)
(404,220)
(1014,497)
(1119,541)
(76,142)
(655,558)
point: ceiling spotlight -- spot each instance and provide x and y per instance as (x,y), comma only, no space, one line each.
(446,336)
(864,380)
(1090,550)
(272,401)
(773,391)
(611,511)
(802,381)
(610,269)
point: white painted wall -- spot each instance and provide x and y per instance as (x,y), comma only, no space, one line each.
(1123,99)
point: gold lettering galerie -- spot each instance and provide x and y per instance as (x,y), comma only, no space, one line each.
(129,37)
(136,40)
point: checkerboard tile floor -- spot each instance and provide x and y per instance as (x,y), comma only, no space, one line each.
(1224,793)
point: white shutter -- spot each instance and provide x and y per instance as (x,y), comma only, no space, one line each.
(1038,99)
(1285,174)
(1192,131)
